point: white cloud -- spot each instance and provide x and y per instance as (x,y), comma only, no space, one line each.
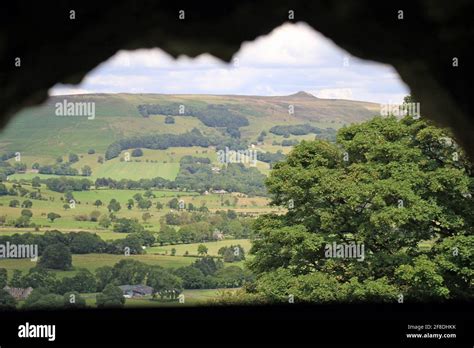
(288,45)
(334,93)
(293,57)
(60,90)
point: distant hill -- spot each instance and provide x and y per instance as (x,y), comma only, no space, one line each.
(39,132)
(164,127)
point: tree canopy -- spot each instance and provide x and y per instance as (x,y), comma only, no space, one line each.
(388,184)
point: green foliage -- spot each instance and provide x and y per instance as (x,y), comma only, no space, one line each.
(231,277)
(3,190)
(26,213)
(389,185)
(129,272)
(104,276)
(98,203)
(27,204)
(104,222)
(84,281)
(164,283)
(146,237)
(40,298)
(111,296)
(16,279)
(202,249)
(3,278)
(7,301)
(454,257)
(14,203)
(169,120)
(207,265)
(56,256)
(213,115)
(85,243)
(269,157)
(161,141)
(114,205)
(132,244)
(86,171)
(421,280)
(73,158)
(137,153)
(193,278)
(63,184)
(125,225)
(379,290)
(53,216)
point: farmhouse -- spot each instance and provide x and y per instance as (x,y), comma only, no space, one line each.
(19,293)
(130,291)
(218,235)
(219,192)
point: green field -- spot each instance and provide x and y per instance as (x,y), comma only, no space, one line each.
(192,297)
(144,167)
(105,235)
(41,136)
(85,205)
(213,247)
(94,261)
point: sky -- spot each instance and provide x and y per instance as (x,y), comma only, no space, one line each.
(292,58)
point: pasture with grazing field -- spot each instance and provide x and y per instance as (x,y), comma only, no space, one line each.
(192,249)
(54,202)
(94,261)
(45,143)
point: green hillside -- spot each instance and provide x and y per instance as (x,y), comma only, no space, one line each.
(38,131)
(41,136)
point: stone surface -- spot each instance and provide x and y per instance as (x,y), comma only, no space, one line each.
(421,46)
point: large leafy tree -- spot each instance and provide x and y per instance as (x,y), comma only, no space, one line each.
(388,184)
(56,256)
(7,301)
(111,296)
(164,283)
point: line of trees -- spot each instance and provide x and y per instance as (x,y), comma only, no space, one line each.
(51,292)
(196,174)
(82,243)
(63,184)
(157,142)
(213,115)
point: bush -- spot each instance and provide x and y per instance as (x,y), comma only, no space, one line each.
(169,120)
(112,296)
(56,256)
(125,225)
(137,153)
(192,278)
(7,301)
(82,217)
